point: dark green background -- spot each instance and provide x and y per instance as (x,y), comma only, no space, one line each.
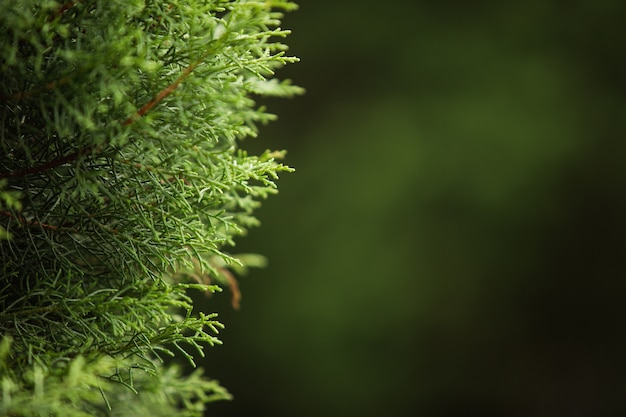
(452,242)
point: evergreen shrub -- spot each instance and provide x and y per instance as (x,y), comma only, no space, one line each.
(122,188)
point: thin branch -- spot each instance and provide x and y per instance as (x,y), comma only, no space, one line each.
(62,9)
(48,165)
(25,222)
(164,93)
(87,149)
(48,87)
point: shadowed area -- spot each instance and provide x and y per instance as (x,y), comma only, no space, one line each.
(452,242)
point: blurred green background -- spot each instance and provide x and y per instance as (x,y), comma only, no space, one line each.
(453,241)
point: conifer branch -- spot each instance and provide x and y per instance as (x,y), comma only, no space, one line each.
(48,165)
(88,149)
(112,222)
(25,222)
(164,93)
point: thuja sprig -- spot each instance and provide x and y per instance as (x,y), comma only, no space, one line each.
(122,186)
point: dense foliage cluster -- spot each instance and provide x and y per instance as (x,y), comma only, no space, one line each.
(121,188)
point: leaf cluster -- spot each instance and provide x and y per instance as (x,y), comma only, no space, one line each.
(120,172)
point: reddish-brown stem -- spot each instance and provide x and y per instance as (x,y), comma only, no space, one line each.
(63,8)
(23,221)
(48,165)
(164,93)
(87,149)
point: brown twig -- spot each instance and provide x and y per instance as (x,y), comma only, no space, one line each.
(25,222)
(68,5)
(48,165)
(164,93)
(88,149)
(233,285)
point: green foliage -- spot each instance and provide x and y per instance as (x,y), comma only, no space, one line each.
(121,188)
(10,200)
